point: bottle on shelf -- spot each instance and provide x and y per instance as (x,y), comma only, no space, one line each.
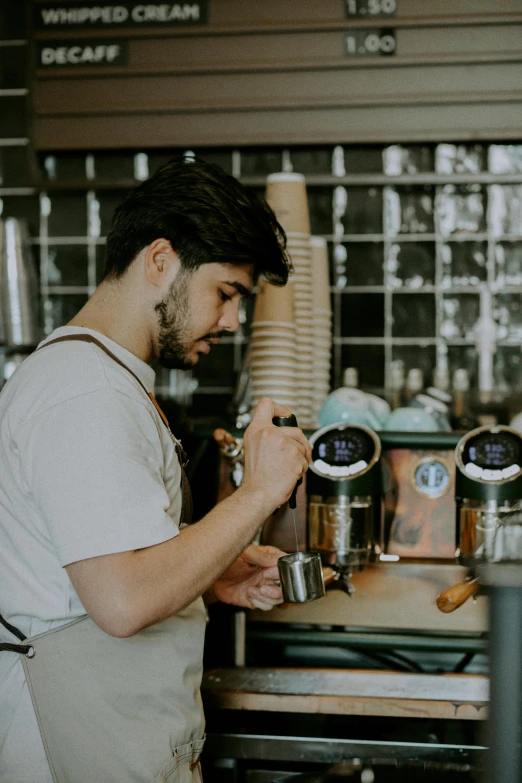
(441,379)
(489,410)
(414,384)
(396,383)
(462,417)
(351,378)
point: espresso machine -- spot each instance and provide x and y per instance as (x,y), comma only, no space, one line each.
(344,487)
(339,511)
(380,510)
(488,494)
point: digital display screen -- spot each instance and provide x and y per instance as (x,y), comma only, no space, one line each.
(343,447)
(493,450)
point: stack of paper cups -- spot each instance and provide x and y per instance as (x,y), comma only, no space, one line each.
(322,322)
(301,256)
(273,362)
(286,194)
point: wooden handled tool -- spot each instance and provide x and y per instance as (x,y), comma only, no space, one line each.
(222,437)
(455,596)
(229,445)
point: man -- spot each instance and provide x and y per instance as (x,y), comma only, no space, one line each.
(96,557)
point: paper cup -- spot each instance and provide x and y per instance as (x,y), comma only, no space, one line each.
(285,358)
(269,354)
(264,387)
(274,303)
(320,273)
(272,341)
(283,331)
(286,194)
(268,366)
(298,235)
(258,350)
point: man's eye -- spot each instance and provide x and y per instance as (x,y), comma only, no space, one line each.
(224,296)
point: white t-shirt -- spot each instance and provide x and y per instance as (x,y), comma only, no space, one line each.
(87,468)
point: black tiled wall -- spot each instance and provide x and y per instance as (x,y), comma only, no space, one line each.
(412,231)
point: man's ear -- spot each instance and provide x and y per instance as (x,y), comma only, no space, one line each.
(161,263)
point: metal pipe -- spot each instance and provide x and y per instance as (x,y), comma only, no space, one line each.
(506,684)
(240,638)
(331,750)
(369,640)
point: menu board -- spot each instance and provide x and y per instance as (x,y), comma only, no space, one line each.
(87,16)
(123,73)
(78,54)
(369,8)
(370,43)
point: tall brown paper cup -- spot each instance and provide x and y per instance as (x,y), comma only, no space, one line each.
(320,274)
(274,303)
(286,194)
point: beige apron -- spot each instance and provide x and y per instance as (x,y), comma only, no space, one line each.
(120,710)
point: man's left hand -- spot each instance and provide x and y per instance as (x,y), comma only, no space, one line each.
(251,581)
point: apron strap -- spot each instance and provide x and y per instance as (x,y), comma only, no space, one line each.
(88,338)
(12,629)
(24,649)
(186,506)
(186,513)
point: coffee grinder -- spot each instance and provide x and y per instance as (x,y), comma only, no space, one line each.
(344,487)
(488,493)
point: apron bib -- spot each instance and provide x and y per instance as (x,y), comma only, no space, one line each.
(111,710)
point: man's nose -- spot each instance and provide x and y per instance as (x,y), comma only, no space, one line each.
(230,318)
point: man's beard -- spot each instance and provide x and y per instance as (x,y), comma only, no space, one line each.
(173,317)
(174,338)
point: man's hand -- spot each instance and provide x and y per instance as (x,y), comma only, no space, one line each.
(251,580)
(125,592)
(275,457)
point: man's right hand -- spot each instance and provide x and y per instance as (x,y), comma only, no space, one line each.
(275,457)
(127,591)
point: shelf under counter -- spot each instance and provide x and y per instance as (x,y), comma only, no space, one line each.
(348,692)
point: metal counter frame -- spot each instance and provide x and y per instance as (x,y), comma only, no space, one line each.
(324,750)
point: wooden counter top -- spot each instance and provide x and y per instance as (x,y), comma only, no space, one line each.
(348,692)
(390,596)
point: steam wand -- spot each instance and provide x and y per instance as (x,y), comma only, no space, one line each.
(290,421)
(337,573)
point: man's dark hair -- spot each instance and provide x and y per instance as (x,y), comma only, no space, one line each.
(207,216)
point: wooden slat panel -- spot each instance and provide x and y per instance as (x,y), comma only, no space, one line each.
(239,16)
(458,40)
(443,84)
(461,121)
(455,9)
(304,51)
(274,10)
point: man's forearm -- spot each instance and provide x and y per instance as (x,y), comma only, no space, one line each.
(126,592)
(129,591)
